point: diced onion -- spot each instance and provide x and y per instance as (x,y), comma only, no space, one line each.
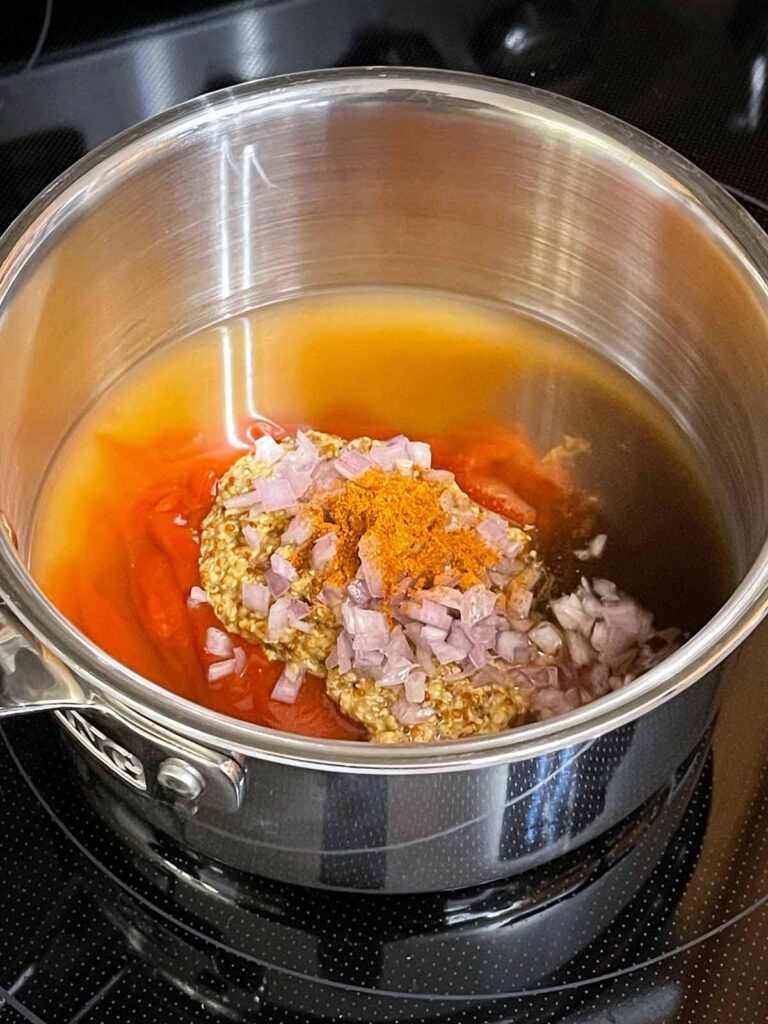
(513,647)
(298,480)
(371,573)
(220,669)
(283,567)
(546,638)
(323,551)
(344,653)
(363,620)
(430,613)
(579,649)
(415,687)
(605,589)
(266,449)
(197,596)
(352,464)
(448,596)
(432,634)
(275,495)
(488,675)
(217,643)
(494,530)
(478,602)
(420,453)
(277,622)
(277,584)
(256,597)
(571,615)
(411,714)
(478,656)
(299,530)
(242,500)
(519,603)
(288,685)
(446,653)
(252,537)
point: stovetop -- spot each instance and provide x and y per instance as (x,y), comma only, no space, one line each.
(128,931)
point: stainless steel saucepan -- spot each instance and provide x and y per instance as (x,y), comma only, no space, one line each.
(380,177)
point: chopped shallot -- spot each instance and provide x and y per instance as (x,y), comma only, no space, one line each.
(274,494)
(277,622)
(240,661)
(220,669)
(324,551)
(277,584)
(217,643)
(415,687)
(299,530)
(409,631)
(411,714)
(242,500)
(266,449)
(546,637)
(197,596)
(283,567)
(288,685)
(252,537)
(256,597)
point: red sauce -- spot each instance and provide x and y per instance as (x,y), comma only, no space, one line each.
(127,588)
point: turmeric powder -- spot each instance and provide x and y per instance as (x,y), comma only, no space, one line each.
(404,523)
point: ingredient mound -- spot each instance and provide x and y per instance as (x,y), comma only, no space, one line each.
(358,562)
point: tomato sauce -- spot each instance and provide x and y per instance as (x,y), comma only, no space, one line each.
(131,595)
(115,544)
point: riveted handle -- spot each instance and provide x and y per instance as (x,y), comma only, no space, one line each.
(143,754)
(155,761)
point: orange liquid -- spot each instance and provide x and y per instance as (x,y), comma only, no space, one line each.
(116,540)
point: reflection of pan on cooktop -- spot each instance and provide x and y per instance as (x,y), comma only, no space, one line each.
(550,933)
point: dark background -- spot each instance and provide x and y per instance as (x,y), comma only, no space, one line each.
(692,72)
(77,944)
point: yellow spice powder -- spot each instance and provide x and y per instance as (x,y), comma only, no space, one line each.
(404,524)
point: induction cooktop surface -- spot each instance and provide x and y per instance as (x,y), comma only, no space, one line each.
(124,928)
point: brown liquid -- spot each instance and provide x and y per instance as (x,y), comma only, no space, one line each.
(421,365)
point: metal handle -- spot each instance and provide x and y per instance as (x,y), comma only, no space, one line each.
(31,678)
(154,760)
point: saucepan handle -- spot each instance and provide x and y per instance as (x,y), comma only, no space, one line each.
(32,679)
(141,753)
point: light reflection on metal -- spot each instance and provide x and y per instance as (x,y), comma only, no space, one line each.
(750,118)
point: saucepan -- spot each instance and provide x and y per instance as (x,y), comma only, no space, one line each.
(381,178)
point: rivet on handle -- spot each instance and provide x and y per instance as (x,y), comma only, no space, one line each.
(181,779)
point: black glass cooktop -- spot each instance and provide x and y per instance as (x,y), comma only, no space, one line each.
(110,928)
(103,930)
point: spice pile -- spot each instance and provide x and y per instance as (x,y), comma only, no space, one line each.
(359,562)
